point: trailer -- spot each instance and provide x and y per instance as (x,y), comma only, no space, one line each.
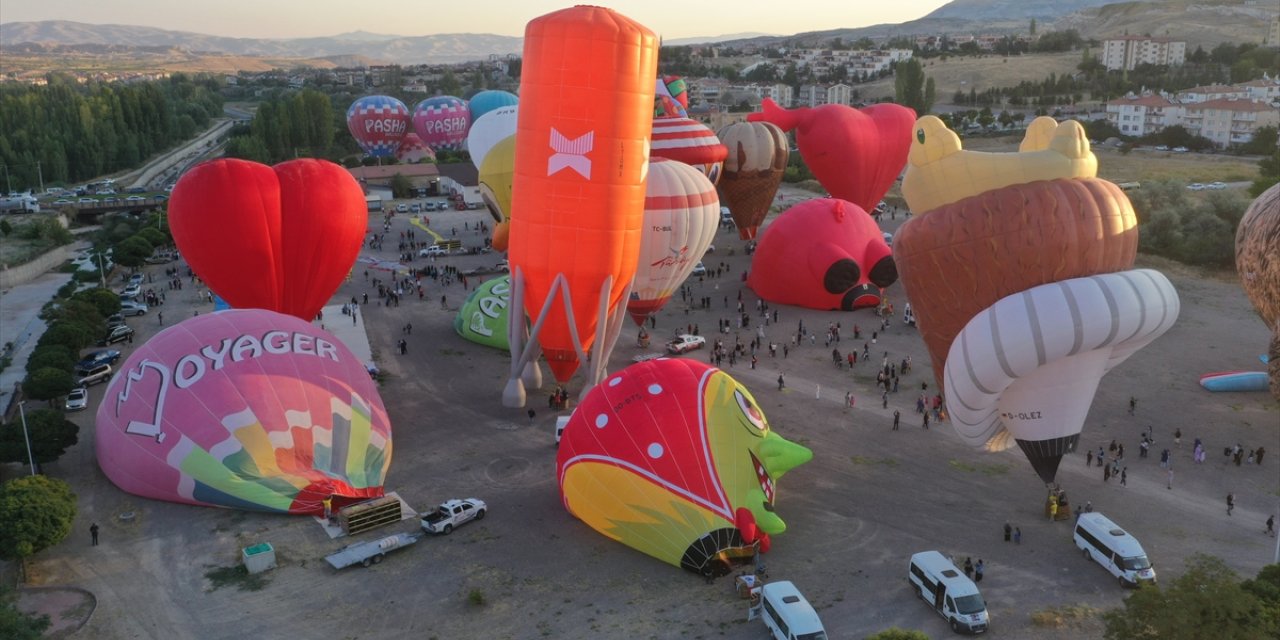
(371,552)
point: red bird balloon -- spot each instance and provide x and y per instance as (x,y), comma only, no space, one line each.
(855,153)
(280,238)
(822,254)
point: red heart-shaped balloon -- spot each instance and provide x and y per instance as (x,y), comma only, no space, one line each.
(855,153)
(279,238)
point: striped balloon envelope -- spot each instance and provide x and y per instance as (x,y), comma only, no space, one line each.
(379,124)
(691,142)
(442,122)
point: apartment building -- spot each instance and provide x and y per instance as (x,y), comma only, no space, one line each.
(1227,122)
(1142,115)
(1127,52)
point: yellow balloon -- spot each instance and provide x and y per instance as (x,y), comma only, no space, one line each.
(939,172)
(495,182)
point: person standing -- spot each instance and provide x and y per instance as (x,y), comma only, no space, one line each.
(897,416)
(1271,525)
(977,571)
(1008,531)
(884,400)
(968,567)
(1169,481)
(1231,502)
(1017,535)
(160,317)
(781,382)
(1177,436)
(1133,403)
(1261,450)
(926,420)
(93,532)
(1124,477)
(1088,458)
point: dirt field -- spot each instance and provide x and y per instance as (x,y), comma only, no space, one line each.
(869,499)
(962,73)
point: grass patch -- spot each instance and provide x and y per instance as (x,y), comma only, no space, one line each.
(234,576)
(984,469)
(1062,617)
(476,597)
(888,462)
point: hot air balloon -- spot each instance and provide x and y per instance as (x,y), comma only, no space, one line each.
(822,254)
(413,149)
(1016,270)
(671,98)
(578,190)
(855,153)
(488,130)
(496,173)
(245,409)
(690,142)
(1258,263)
(752,171)
(675,459)
(681,214)
(483,317)
(442,122)
(490,100)
(279,238)
(379,124)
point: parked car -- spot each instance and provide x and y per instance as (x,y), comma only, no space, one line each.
(115,320)
(86,377)
(137,279)
(433,250)
(118,334)
(1180,149)
(63,201)
(503,266)
(1217,186)
(1196,186)
(415,208)
(132,308)
(685,343)
(78,399)
(402,208)
(131,291)
(699,269)
(99,357)
(452,513)
(135,199)
(1162,147)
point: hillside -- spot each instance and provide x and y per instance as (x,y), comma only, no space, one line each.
(1205,23)
(31,60)
(980,73)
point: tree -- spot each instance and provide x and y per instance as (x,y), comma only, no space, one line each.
(50,432)
(17,625)
(133,251)
(37,512)
(51,356)
(6,228)
(401,186)
(1033,26)
(909,86)
(104,300)
(894,633)
(48,383)
(72,335)
(1208,601)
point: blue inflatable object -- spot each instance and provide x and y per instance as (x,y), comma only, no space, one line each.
(487,101)
(1235,381)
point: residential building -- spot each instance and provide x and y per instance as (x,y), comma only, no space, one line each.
(840,94)
(1127,52)
(1141,115)
(1265,89)
(1211,92)
(1228,122)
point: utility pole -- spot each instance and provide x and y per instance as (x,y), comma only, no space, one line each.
(31,459)
(40,175)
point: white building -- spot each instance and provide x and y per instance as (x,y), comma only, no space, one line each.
(840,94)
(1211,92)
(1228,122)
(1127,52)
(1141,115)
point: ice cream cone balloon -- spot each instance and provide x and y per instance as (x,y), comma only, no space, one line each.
(757,159)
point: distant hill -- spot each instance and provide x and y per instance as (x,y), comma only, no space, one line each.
(1205,23)
(439,48)
(680,42)
(1005,9)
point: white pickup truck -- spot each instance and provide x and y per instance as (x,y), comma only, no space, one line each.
(451,514)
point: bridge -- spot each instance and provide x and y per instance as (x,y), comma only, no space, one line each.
(91,211)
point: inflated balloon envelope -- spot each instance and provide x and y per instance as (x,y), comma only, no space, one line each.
(1016,267)
(280,238)
(1258,263)
(246,409)
(378,124)
(674,458)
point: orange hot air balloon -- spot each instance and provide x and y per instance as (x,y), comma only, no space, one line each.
(757,159)
(579,186)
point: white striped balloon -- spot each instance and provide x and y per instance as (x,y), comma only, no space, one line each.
(1027,367)
(680,216)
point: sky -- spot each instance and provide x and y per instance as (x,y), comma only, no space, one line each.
(307,18)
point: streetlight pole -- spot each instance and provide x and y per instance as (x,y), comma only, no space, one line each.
(25,436)
(102,273)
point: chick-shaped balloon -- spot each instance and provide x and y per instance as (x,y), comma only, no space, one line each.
(823,254)
(674,458)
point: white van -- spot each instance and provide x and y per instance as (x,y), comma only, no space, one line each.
(561,423)
(1104,542)
(952,594)
(788,615)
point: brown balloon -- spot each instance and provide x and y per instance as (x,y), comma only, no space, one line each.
(1258,263)
(963,257)
(757,159)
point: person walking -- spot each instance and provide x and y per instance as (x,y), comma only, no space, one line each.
(93,532)
(926,421)
(1271,525)
(1008,531)
(1133,403)
(884,400)
(160,317)
(1017,535)
(1169,479)
(977,571)
(1231,502)
(968,568)
(1088,458)
(781,382)
(897,416)
(1124,477)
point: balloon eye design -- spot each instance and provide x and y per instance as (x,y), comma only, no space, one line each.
(920,135)
(751,412)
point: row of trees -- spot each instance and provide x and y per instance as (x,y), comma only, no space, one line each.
(289,125)
(65,133)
